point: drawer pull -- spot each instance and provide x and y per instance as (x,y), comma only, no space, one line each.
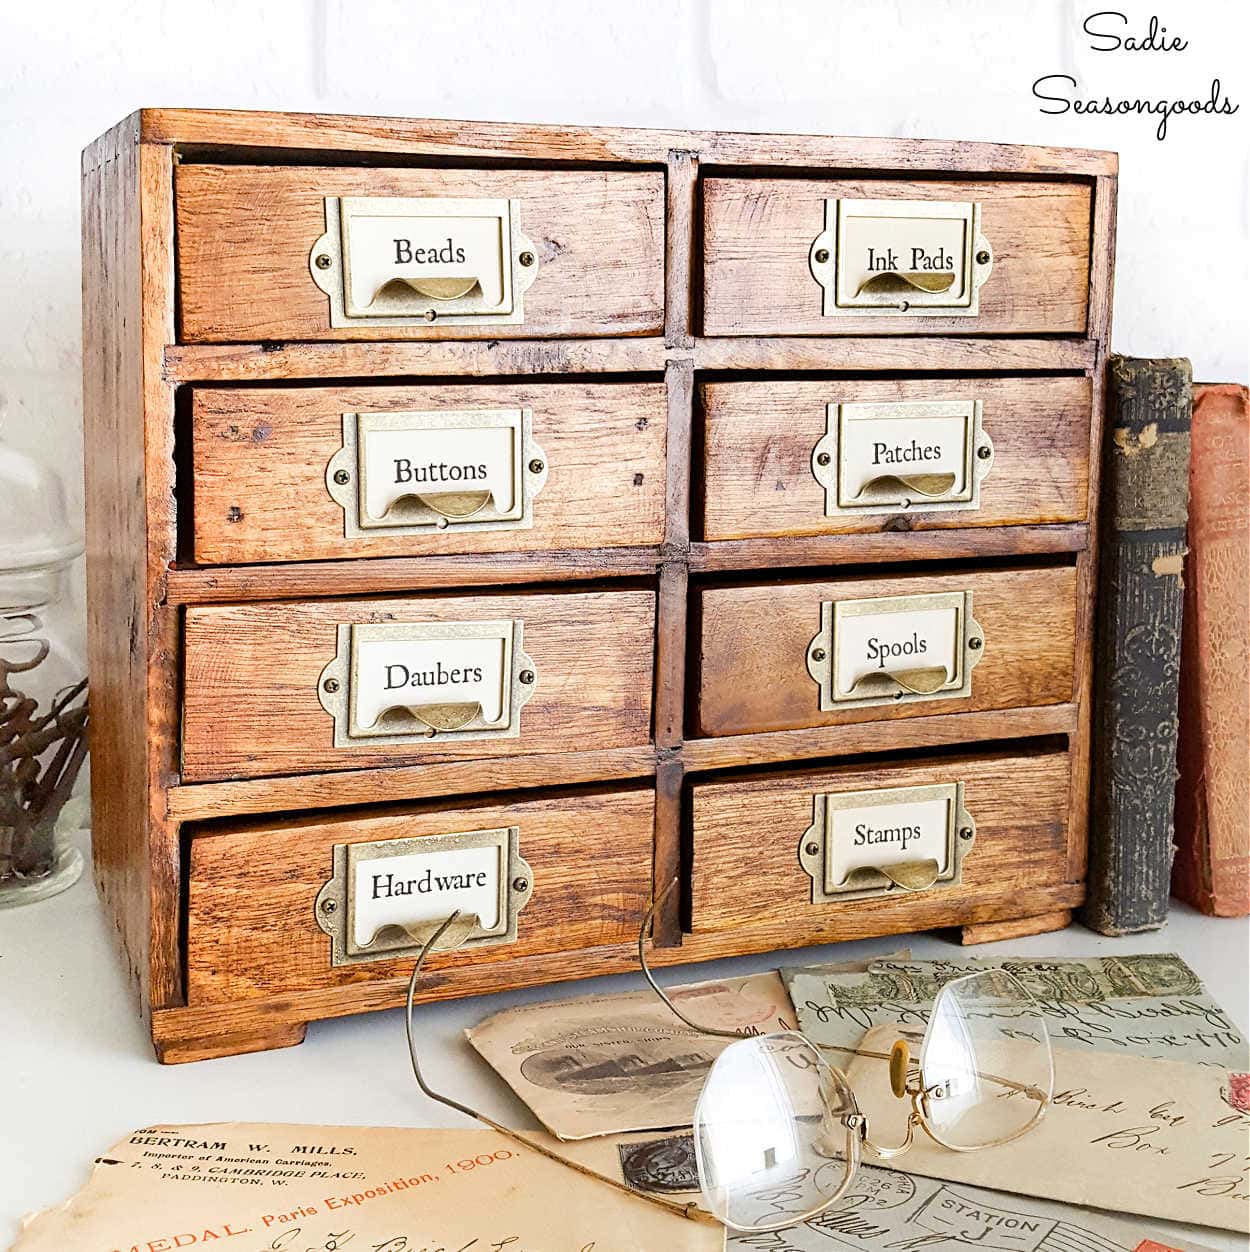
(394,682)
(902,281)
(387,898)
(887,840)
(396,261)
(455,470)
(891,457)
(866,651)
(909,258)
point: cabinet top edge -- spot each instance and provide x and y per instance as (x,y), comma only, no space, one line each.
(467,139)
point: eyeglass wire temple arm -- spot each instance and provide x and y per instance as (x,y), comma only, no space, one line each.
(689,1210)
(655,986)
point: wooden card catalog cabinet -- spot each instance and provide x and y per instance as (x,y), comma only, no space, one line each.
(395,261)
(511,520)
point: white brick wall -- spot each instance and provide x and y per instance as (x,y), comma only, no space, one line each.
(932,68)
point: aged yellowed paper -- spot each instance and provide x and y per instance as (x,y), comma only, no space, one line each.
(596,1065)
(1125,1133)
(270,1188)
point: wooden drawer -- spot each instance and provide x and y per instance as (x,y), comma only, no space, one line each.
(760,237)
(246,235)
(760,448)
(251,903)
(587,471)
(748,831)
(754,644)
(252,689)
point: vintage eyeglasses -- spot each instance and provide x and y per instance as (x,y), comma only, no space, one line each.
(776,1119)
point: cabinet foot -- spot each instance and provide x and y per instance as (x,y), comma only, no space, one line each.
(208,1047)
(1015,928)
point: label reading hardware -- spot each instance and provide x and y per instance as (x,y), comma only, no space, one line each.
(388,897)
(901,257)
(410,473)
(867,843)
(928,456)
(899,648)
(392,682)
(394,261)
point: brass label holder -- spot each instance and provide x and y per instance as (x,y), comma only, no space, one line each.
(385,899)
(925,456)
(399,682)
(901,258)
(418,472)
(895,649)
(886,842)
(405,261)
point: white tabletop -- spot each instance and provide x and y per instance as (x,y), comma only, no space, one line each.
(77,1071)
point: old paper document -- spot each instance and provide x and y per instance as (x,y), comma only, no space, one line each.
(886,1209)
(1143,1005)
(1159,1138)
(597,1065)
(265,1188)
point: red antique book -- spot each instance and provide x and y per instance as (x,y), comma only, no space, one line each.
(1212,866)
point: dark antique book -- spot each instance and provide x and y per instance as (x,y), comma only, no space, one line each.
(1145,468)
(1212,869)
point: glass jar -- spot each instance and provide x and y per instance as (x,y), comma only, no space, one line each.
(43,700)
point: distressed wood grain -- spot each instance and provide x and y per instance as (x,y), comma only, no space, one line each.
(753,644)
(250,704)
(745,868)
(758,439)
(251,925)
(598,235)
(260,470)
(758,233)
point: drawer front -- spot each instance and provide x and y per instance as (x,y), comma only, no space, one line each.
(529,467)
(757,648)
(770,244)
(262,255)
(749,835)
(788,458)
(252,906)
(303,687)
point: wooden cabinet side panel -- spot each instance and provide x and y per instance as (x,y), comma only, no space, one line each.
(759,439)
(127,426)
(260,469)
(758,281)
(251,929)
(251,708)
(754,639)
(245,234)
(746,842)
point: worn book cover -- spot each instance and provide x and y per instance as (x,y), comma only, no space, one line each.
(1145,477)
(1212,869)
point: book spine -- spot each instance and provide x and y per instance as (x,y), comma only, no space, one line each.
(1212,869)
(1138,643)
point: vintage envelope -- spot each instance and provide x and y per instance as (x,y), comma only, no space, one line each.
(597,1065)
(1159,1138)
(266,1188)
(887,1209)
(1145,1004)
